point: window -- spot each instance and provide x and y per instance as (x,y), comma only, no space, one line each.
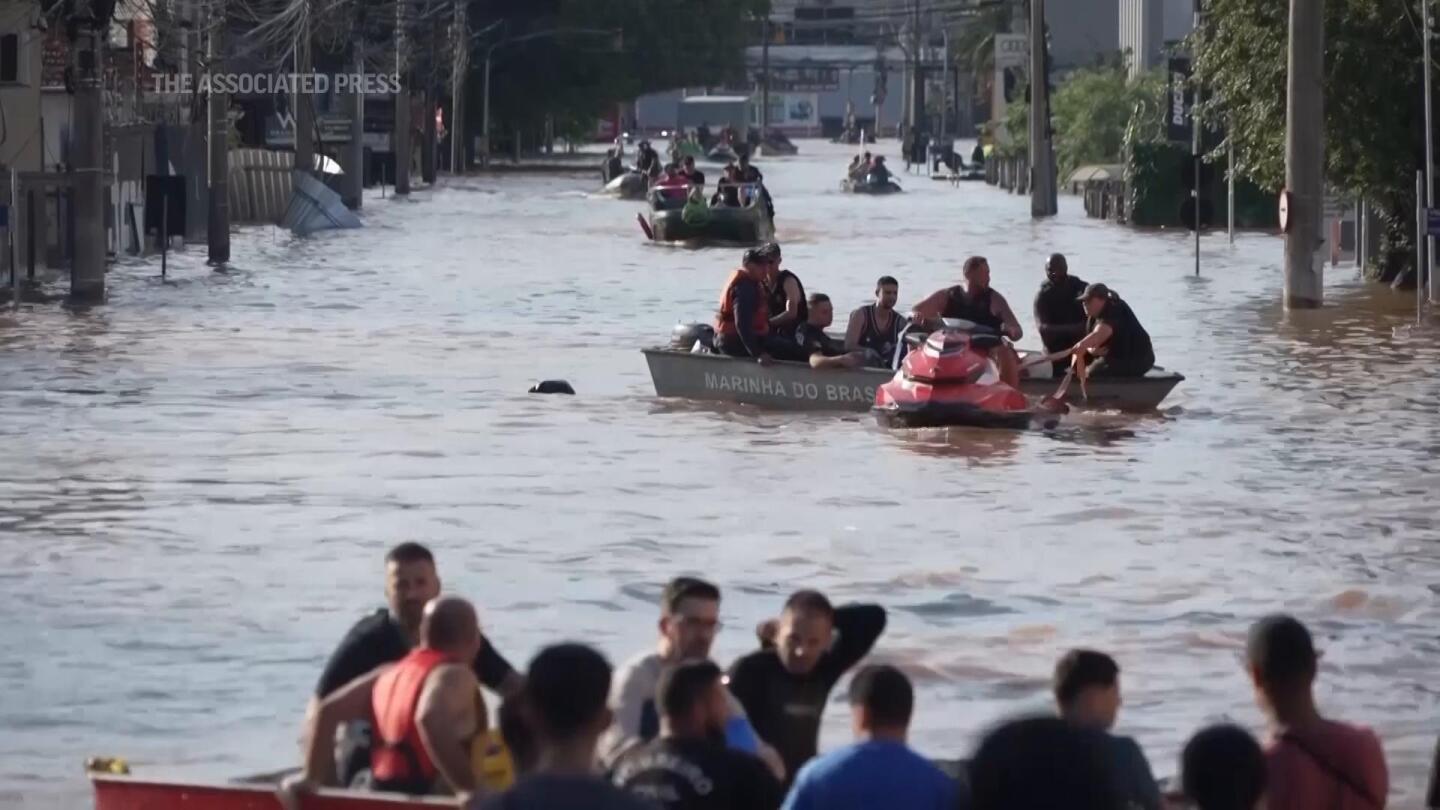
(9,58)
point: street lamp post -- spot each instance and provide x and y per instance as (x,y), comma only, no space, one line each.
(490,52)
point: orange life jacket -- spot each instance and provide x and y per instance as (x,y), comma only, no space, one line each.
(398,759)
(725,318)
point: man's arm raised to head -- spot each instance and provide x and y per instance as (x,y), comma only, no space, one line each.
(447,718)
(349,702)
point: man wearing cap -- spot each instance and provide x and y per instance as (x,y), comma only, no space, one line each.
(787,304)
(1120,345)
(1058,311)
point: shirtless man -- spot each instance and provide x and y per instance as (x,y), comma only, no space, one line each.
(426,709)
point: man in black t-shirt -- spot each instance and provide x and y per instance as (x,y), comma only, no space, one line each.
(694,175)
(1059,315)
(823,350)
(689,767)
(785,684)
(388,634)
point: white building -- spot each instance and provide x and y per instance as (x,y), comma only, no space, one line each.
(1147,26)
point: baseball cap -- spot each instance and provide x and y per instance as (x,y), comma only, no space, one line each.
(1094,291)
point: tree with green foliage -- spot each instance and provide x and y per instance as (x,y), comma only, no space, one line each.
(1091,111)
(1374,134)
(1090,114)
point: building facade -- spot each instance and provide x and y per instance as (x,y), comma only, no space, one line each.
(1147,27)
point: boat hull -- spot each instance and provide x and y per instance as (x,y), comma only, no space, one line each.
(798,387)
(724,226)
(631,186)
(870,188)
(129,793)
(777,150)
(949,414)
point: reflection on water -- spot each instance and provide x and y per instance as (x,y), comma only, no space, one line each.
(198,481)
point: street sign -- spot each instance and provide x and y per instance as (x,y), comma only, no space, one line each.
(1011,51)
(1432,222)
(1179,111)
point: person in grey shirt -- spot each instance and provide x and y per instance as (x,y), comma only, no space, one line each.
(1087,692)
(689,622)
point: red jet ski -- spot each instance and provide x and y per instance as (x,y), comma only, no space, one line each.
(951,380)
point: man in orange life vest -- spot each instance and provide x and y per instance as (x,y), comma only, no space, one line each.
(743,322)
(426,710)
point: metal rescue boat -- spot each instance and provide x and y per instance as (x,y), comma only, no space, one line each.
(718,226)
(679,372)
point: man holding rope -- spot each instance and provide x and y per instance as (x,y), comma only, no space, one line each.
(1118,343)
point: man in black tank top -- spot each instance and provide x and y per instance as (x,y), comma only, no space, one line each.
(875,328)
(788,306)
(978,303)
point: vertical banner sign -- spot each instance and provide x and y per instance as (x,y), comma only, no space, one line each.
(1180,102)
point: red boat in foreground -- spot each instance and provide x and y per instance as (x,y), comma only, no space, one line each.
(132,793)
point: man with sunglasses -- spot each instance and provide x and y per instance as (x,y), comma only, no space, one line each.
(689,622)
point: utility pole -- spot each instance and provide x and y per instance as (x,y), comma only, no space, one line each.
(765,78)
(945,88)
(432,99)
(1042,160)
(354,181)
(304,108)
(217,221)
(1196,144)
(1428,277)
(917,74)
(403,124)
(87,275)
(459,67)
(1305,156)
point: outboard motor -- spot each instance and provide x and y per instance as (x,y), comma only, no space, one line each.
(692,337)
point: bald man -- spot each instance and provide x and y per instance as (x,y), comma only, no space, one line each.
(426,708)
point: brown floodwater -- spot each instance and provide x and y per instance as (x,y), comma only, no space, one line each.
(198,480)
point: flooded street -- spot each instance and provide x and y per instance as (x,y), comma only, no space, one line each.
(198,481)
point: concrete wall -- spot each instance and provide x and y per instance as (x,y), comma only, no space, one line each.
(23,147)
(21,99)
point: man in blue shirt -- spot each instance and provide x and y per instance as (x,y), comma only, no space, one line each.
(878,771)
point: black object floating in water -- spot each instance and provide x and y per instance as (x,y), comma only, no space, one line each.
(552,387)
